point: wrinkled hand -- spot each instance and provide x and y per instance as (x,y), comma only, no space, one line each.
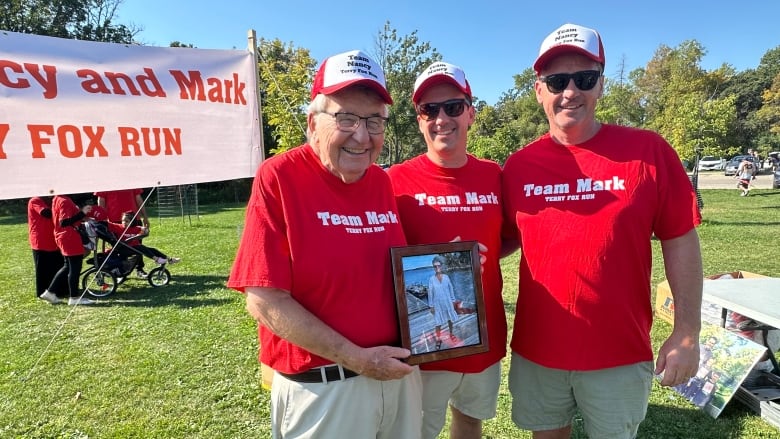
(381,363)
(678,359)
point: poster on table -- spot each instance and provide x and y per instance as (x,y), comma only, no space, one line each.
(725,361)
(84,116)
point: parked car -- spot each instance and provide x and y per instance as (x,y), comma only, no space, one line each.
(776,179)
(733,164)
(710,163)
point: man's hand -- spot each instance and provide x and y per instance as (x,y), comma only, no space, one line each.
(381,363)
(678,359)
(482,250)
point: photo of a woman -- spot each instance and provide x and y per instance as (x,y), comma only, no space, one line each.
(441,300)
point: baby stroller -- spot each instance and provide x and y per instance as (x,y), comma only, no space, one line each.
(113,260)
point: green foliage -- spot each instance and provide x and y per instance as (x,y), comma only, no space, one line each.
(769,113)
(402,58)
(180,44)
(90,20)
(516,120)
(681,101)
(286,73)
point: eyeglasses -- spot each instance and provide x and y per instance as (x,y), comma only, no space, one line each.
(452,108)
(584,80)
(349,122)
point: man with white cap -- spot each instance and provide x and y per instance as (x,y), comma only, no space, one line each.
(472,188)
(314,263)
(586,199)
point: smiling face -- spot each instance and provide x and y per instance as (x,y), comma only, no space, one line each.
(445,135)
(572,112)
(347,154)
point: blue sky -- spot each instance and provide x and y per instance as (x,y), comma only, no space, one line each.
(490,40)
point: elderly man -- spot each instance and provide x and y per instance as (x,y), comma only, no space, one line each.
(314,263)
(442,98)
(586,199)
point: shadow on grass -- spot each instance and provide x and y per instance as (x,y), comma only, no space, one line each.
(13,220)
(764,194)
(674,422)
(184,291)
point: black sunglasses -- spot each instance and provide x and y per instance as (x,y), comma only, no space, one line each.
(584,80)
(452,108)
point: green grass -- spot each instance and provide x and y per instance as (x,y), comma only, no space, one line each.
(180,361)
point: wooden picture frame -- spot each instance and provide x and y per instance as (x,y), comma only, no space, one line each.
(458,329)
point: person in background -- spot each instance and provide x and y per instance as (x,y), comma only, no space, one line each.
(117,203)
(472,188)
(586,200)
(67,216)
(745,175)
(314,264)
(47,258)
(132,235)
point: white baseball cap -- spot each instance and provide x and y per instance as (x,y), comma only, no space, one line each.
(349,68)
(571,38)
(437,73)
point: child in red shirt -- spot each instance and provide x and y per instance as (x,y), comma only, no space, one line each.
(131,235)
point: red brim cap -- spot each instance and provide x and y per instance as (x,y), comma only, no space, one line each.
(441,73)
(346,69)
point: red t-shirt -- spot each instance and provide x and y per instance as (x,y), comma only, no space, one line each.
(328,244)
(67,237)
(41,228)
(118,230)
(438,204)
(585,216)
(119,202)
(98,213)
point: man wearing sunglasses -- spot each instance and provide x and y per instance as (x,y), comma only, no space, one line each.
(443,195)
(586,199)
(314,263)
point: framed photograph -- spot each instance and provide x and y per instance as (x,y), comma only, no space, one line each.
(441,308)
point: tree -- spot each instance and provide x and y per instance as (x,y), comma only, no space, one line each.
(90,20)
(286,74)
(750,130)
(680,101)
(516,120)
(620,101)
(769,116)
(402,60)
(97,24)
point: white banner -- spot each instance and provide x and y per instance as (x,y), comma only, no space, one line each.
(81,116)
